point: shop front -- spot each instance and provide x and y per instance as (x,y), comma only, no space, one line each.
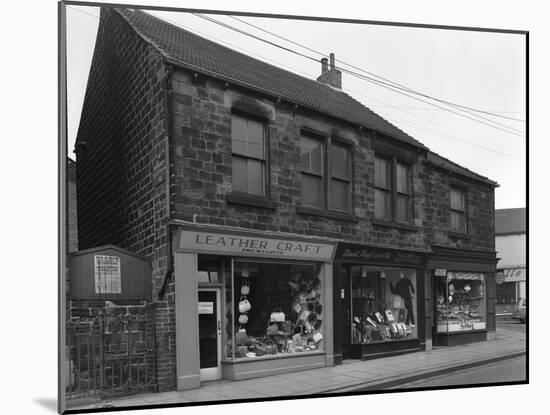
(378,301)
(250,304)
(510,288)
(463,284)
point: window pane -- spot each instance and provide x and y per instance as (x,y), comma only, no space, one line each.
(312,190)
(339,195)
(402,178)
(247,137)
(381,204)
(403,208)
(256,139)
(339,161)
(458,222)
(238,135)
(312,155)
(381,173)
(255,177)
(457,199)
(240,181)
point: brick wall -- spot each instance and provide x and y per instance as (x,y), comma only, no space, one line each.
(122,169)
(202,151)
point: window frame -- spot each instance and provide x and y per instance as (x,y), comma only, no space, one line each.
(266,160)
(393,162)
(464,212)
(327,177)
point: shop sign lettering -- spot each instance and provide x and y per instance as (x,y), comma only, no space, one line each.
(224,243)
(514,274)
(375,254)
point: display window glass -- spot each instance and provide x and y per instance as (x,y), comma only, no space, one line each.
(460,302)
(273,309)
(383,305)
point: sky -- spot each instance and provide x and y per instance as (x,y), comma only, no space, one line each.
(480,70)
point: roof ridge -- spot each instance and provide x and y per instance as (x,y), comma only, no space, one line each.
(460,166)
(231,49)
(177,44)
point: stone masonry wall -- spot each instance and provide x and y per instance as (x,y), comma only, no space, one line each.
(122,169)
(202,130)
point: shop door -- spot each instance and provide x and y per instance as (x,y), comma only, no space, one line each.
(209,334)
(345,298)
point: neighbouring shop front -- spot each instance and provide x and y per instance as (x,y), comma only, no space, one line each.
(250,304)
(510,287)
(463,284)
(378,301)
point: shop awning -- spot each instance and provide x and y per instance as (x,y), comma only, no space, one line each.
(515,274)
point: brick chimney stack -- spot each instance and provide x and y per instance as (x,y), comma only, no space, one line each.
(329,74)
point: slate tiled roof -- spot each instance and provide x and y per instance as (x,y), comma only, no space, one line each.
(188,50)
(448,165)
(509,221)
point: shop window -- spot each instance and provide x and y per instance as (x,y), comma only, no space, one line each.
(458,210)
(392,190)
(276,310)
(383,304)
(312,177)
(248,148)
(460,302)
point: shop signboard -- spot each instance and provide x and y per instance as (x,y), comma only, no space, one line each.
(515,275)
(252,245)
(440,272)
(365,253)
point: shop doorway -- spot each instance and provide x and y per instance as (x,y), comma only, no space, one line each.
(209,334)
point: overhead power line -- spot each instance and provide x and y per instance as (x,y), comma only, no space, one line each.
(394,88)
(492,113)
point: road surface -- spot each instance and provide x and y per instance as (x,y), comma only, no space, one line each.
(509,370)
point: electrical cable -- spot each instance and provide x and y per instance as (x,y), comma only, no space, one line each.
(395,88)
(373,74)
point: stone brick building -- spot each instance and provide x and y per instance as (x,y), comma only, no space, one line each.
(353,238)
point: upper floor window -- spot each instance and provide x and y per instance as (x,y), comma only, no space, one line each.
(392,190)
(458,210)
(325,187)
(340,177)
(248,147)
(312,177)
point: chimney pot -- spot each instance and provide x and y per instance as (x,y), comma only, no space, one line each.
(332,61)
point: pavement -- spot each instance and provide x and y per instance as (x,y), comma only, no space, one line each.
(352,375)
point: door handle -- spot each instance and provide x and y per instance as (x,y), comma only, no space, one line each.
(219,327)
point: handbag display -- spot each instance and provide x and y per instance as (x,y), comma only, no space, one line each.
(304,315)
(317,337)
(245,288)
(379,318)
(241,338)
(243,319)
(244,305)
(273,330)
(277,316)
(389,315)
